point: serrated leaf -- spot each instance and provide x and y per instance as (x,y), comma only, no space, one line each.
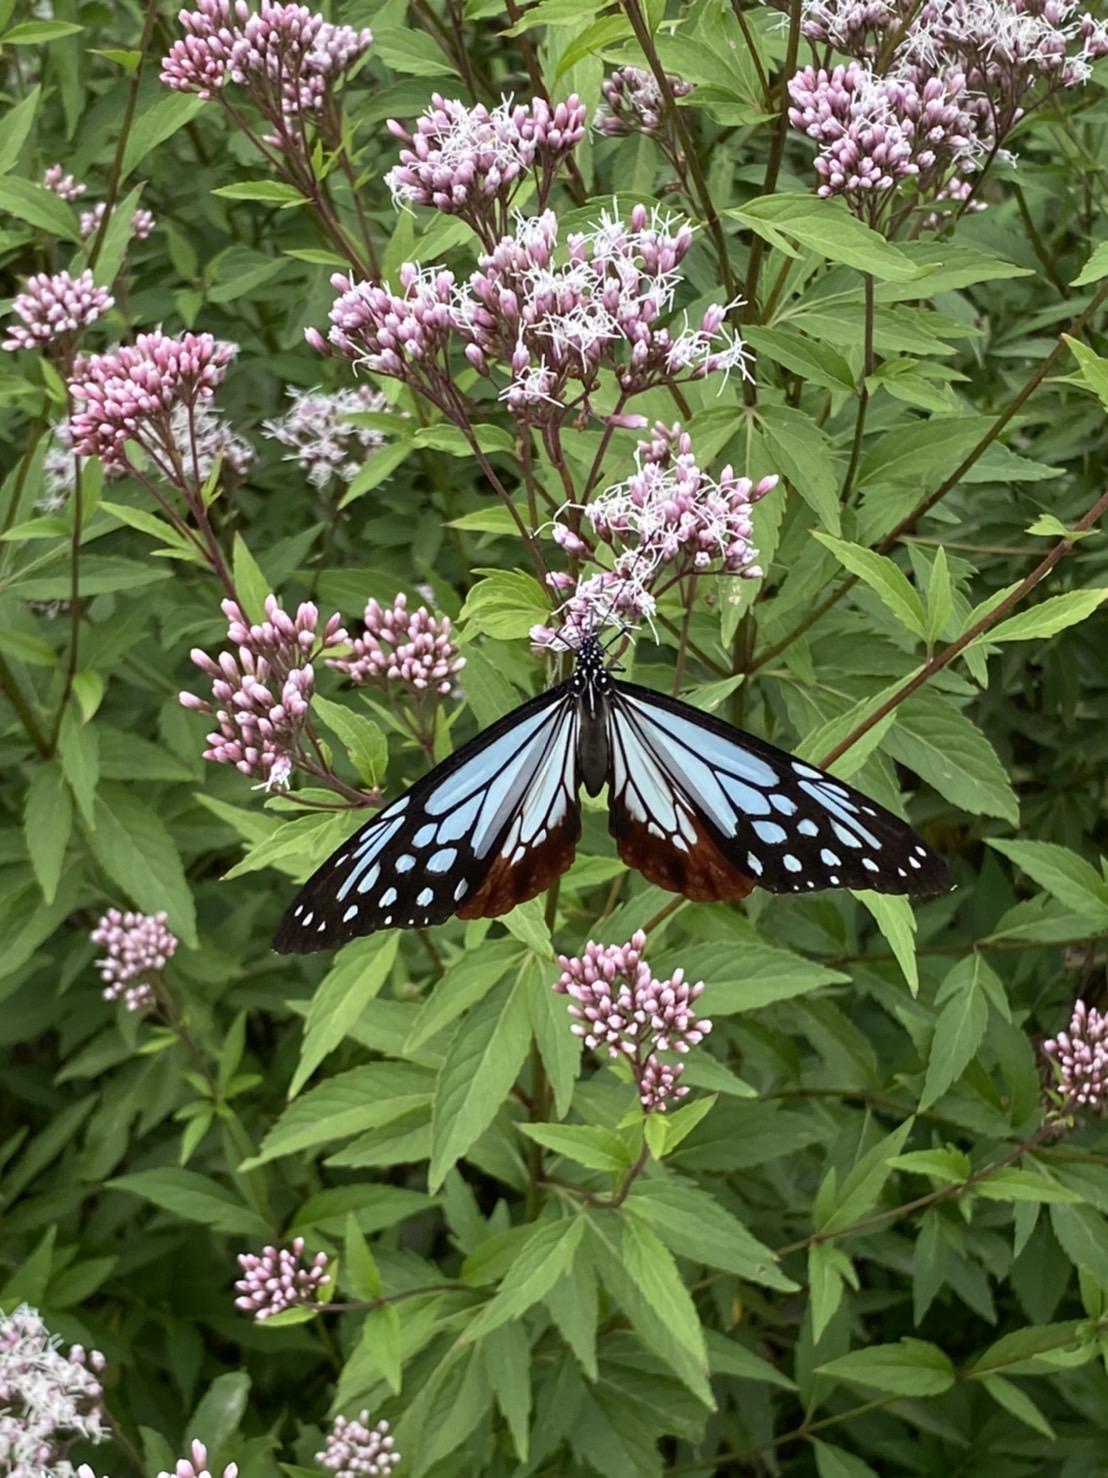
(463,984)
(15,126)
(273,192)
(1005,1393)
(410,52)
(894,916)
(884,577)
(1045,619)
(47,825)
(817,363)
(694,1225)
(134,847)
(958,1031)
(911,1368)
(589,1145)
(1012,1184)
(360,970)
(827,228)
(195,1197)
(802,451)
(1083,1234)
(541,1259)
(650,1264)
(829,1270)
(37,206)
(1095,268)
(362,738)
(348,1103)
(942,746)
(1062,873)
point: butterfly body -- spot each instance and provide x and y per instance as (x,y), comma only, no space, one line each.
(695,805)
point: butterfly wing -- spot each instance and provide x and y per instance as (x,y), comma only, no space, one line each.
(704,809)
(488,828)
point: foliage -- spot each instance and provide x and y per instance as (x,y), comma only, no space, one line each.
(873,1237)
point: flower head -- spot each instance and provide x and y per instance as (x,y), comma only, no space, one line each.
(142,222)
(48,1399)
(321,438)
(411,649)
(261,694)
(634,103)
(618,1007)
(1080,1057)
(197,1465)
(138,947)
(400,334)
(55,310)
(277,1279)
(56,179)
(354,1449)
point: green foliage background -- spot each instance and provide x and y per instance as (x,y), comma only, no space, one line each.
(854,1251)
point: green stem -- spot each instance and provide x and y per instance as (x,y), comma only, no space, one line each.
(115,174)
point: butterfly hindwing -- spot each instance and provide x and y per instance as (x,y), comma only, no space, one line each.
(702,808)
(486,829)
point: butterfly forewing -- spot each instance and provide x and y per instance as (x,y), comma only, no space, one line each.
(702,808)
(488,828)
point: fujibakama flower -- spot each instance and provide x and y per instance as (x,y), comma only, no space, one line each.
(354,1449)
(399,334)
(56,179)
(142,222)
(277,1279)
(138,947)
(619,598)
(59,471)
(634,103)
(855,26)
(322,439)
(55,310)
(131,393)
(197,1465)
(411,649)
(261,696)
(1080,1057)
(470,162)
(289,59)
(48,1400)
(621,1009)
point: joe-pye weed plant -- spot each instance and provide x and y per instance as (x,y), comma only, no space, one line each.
(358,364)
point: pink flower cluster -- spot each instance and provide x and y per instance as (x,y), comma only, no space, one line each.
(276,1279)
(138,947)
(619,1006)
(877,132)
(354,1449)
(131,392)
(287,57)
(1081,1059)
(55,309)
(470,162)
(634,103)
(197,1465)
(142,222)
(960,75)
(412,649)
(402,335)
(261,695)
(48,1400)
(56,179)
(324,442)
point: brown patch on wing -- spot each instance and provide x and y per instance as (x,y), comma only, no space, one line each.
(507,883)
(702,874)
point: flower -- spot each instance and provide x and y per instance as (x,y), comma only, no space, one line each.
(634,103)
(59,475)
(275,1279)
(354,1449)
(471,161)
(400,334)
(138,946)
(411,648)
(131,393)
(61,183)
(55,309)
(197,1466)
(619,598)
(619,1007)
(142,222)
(324,442)
(261,696)
(1080,1057)
(48,1399)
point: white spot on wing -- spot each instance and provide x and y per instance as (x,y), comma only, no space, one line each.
(441,860)
(769,831)
(350,913)
(387,897)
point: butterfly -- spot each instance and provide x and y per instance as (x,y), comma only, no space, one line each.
(697,806)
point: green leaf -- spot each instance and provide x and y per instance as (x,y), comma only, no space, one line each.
(1005,1393)
(359,1269)
(1095,268)
(958,1031)
(445,438)
(542,1257)
(196,1198)
(480,1067)
(1083,1234)
(410,52)
(754,976)
(273,192)
(940,597)
(651,1266)
(1012,1184)
(117,238)
(836,1462)
(802,451)
(825,227)
(693,1224)
(559,1048)
(942,746)
(504,604)
(863,1185)
(362,738)
(360,970)
(911,1368)
(220,1410)
(160,121)
(598,36)
(829,1271)
(38,33)
(729,1357)
(884,577)
(79,750)
(37,206)
(588,1145)
(15,127)
(1062,873)
(47,825)
(817,363)
(527,923)
(348,1103)
(1045,619)
(946,1164)
(922,452)
(463,984)
(250,582)
(507,1355)
(894,916)
(133,846)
